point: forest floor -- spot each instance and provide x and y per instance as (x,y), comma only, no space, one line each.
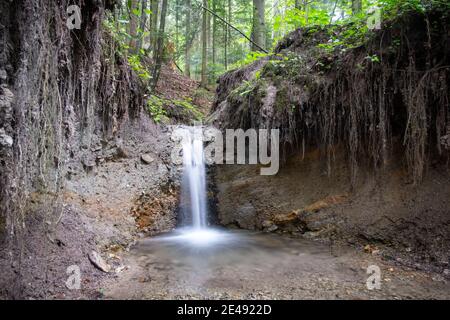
(263,266)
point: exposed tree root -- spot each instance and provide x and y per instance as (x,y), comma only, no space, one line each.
(390,94)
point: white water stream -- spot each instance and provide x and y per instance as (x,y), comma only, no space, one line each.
(195,230)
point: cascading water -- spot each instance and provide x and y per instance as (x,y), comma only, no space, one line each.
(195,229)
(194,180)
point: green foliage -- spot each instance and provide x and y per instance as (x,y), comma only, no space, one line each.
(345,29)
(135,62)
(155,106)
(119,32)
(187,104)
(162,108)
(373,58)
(249,58)
(244,89)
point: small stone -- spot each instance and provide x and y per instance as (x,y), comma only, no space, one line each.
(446,272)
(310,235)
(371,249)
(267,223)
(98,261)
(438,278)
(5,140)
(147,158)
(120,269)
(272,228)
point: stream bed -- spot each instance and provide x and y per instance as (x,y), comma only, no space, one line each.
(235,264)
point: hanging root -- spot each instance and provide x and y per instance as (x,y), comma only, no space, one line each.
(390,94)
(58,87)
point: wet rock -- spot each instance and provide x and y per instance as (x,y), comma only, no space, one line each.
(267,223)
(147,158)
(310,235)
(98,261)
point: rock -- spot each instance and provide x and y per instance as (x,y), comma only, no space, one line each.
(272,228)
(121,268)
(438,278)
(147,158)
(5,140)
(446,272)
(98,261)
(267,223)
(310,235)
(3,75)
(371,249)
(246,213)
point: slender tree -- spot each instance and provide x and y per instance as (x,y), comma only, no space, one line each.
(204,78)
(226,34)
(177,24)
(154,24)
(160,45)
(214,31)
(259,26)
(143,22)
(187,66)
(134,4)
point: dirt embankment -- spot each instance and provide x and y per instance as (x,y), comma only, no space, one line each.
(81,161)
(364,141)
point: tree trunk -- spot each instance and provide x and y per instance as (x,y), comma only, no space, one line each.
(227,34)
(259,25)
(204,78)
(214,30)
(133,26)
(143,22)
(160,44)
(154,24)
(187,66)
(177,22)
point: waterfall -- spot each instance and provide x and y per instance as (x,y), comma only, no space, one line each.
(193,231)
(194,178)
